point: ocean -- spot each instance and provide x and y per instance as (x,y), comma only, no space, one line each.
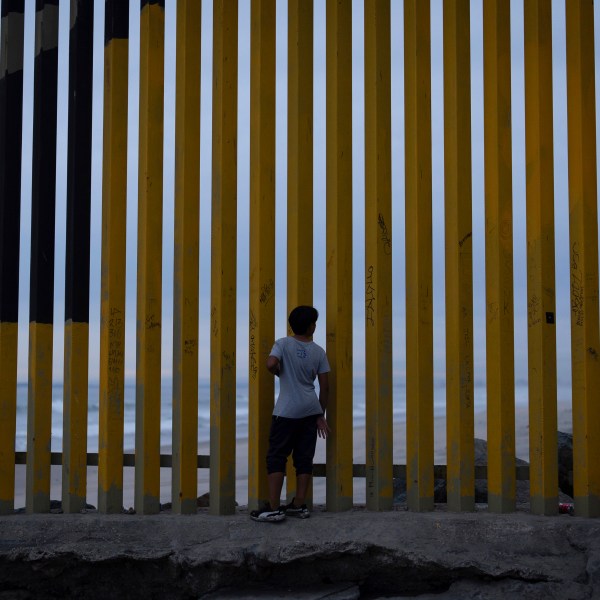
(399,410)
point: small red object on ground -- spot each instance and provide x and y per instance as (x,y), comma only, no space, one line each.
(566,508)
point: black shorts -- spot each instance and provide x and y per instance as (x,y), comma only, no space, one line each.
(292,436)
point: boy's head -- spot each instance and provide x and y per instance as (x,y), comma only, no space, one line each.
(301,318)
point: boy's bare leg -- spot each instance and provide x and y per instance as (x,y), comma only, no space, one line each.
(302,483)
(275,485)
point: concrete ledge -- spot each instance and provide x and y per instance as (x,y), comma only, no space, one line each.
(344,555)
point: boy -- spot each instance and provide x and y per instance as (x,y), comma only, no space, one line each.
(298,414)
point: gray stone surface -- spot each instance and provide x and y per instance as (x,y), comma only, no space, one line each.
(329,591)
(430,555)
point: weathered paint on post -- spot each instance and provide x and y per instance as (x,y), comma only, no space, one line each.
(300,168)
(77,278)
(499,256)
(300,154)
(419,279)
(583,238)
(149,274)
(541,305)
(8,411)
(339,254)
(41,302)
(224,254)
(459,256)
(39,418)
(378,255)
(74,463)
(114,215)
(186,268)
(11,118)
(262,244)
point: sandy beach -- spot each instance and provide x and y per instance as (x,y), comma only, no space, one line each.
(521,442)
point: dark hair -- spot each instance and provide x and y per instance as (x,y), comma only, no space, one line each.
(301,318)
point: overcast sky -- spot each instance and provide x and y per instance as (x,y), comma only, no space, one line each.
(518,136)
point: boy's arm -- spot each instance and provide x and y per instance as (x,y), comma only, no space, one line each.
(322,427)
(324,390)
(273,365)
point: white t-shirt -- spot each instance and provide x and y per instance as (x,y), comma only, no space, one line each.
(299,365)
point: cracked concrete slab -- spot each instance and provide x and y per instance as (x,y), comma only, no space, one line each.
(399,553)
(340,591)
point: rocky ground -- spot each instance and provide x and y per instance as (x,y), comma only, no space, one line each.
(437,555)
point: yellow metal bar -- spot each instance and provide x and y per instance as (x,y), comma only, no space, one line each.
(112,308)
(419,282)
(339,253)
(583,229)
(300,166)
(498,256)
(378,255)
(75,417)
(11,109)
(224,250)
(149,288)
(77,268)
(39,418)
(9,333)
(459,256)
(541,306)
(300,154)
(41,304)
(185,289)
(262,244)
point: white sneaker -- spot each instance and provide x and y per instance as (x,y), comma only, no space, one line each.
(267,515)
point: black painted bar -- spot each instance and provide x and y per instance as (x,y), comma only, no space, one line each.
(160,3)
(43,193)
(77,277)
(12,6)
(11,119)
(116,25)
